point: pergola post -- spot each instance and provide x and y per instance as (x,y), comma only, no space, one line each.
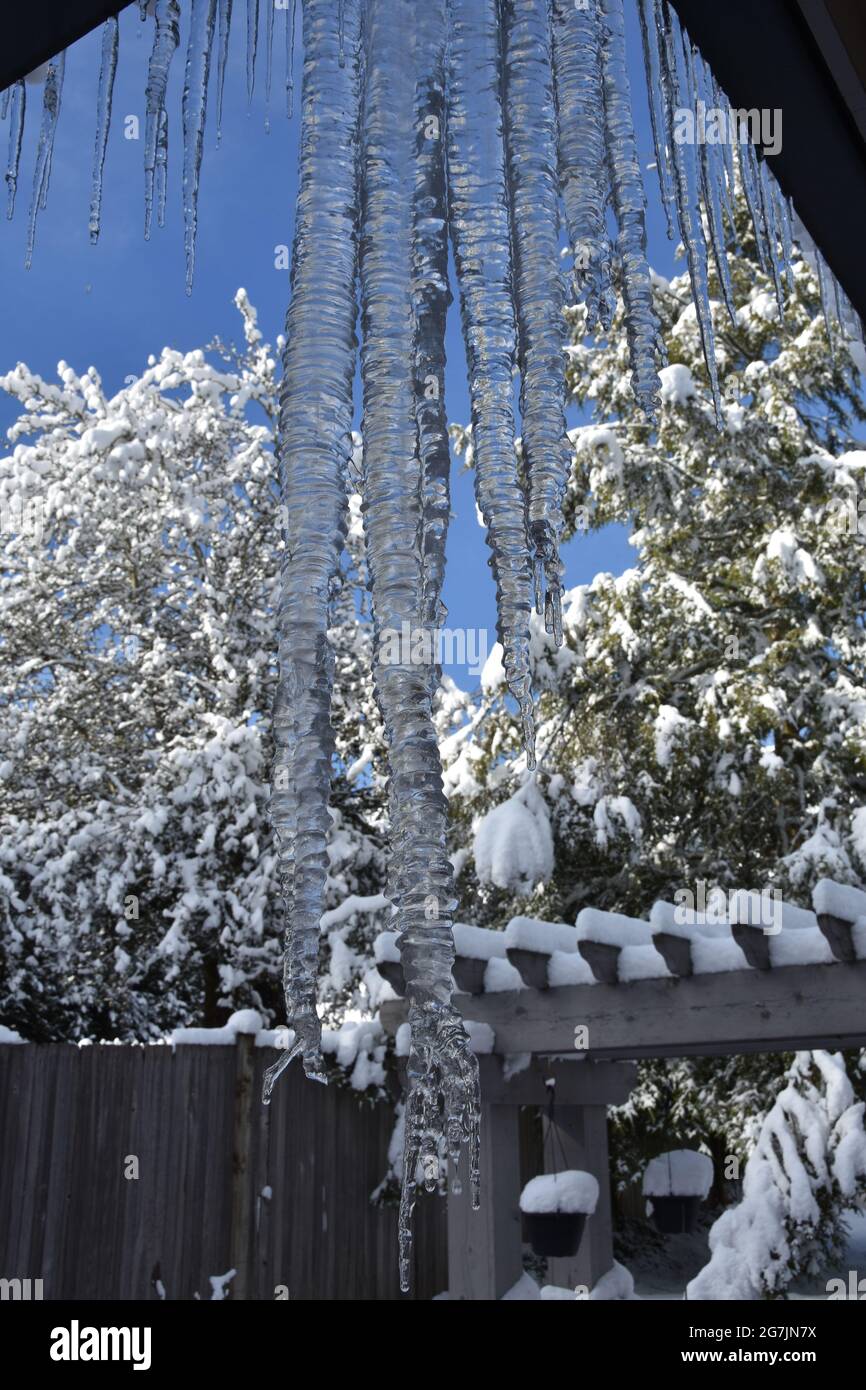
(484,1246)
(576,1137)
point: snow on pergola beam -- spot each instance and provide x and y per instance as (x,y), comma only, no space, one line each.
(34,33)
(798,58)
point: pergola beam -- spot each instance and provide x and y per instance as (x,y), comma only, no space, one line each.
(798,1006)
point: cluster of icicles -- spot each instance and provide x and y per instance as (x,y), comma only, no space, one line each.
(484,120)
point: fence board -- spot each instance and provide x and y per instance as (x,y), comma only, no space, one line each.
(70,1117)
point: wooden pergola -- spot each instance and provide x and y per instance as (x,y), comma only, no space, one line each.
(533,1033)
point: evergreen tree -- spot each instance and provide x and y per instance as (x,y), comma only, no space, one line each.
(141,547)
(704,719)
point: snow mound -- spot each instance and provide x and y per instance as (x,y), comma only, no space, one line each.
(513,845)
(571,1191)
(532,934)
(612,928)
(679,1173)
(478,943)
(838,900)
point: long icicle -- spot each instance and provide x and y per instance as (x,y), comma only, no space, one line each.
(224,26)
(51,95)
(629,200)
(482,252)
(290,58)
(532,170)
(652,70)
(314,446)
(442,1103)
(768,213)
(712,182)
(269,58)
(201,30)
(16,135)
(252,45)
(165,40)
(431,297)
(582,165)
(107,70)
(677,97)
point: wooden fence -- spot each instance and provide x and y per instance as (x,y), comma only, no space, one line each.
(280,1193)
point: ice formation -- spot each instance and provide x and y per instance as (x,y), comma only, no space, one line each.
(506,125)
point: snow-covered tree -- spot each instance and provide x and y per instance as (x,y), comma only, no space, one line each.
(704,718)
(140,552)
(806,1170)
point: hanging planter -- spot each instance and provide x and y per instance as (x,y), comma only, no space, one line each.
(555,1207)
(676,1183)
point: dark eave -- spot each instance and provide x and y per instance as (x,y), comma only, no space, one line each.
(36,30)
(806,58)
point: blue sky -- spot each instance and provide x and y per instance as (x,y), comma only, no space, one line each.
(113,304)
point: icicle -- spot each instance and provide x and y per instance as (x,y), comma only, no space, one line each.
(582,167)
(482,252)
(290,58)
(4,102)
(107,70)
(783,221)
(652,68)
(532,169)
(202,18)
(252,45)
(442,1103)
(629,203)
(313,447)
(729,183)
(431,297)
(16,134)
(749,180)
(713,181)
(341,26)
(161,178)
(225,24)
(677,96)
(824,290)
(165,40)
(51,95)
(269,58)
(768,214)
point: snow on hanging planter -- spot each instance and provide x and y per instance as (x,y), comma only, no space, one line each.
(676,1184)
(555,1207)
(474,119)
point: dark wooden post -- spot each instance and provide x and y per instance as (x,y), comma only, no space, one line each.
(242,1176)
